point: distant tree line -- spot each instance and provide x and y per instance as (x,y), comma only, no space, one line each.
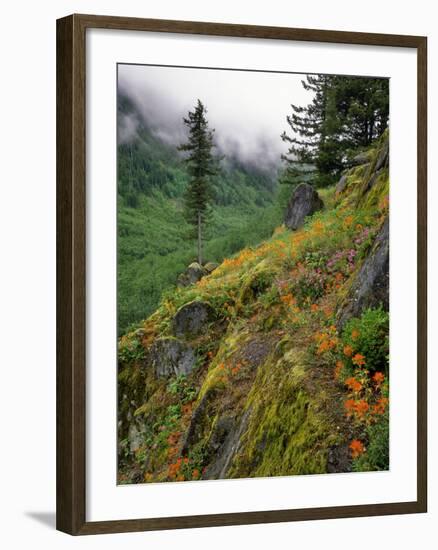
(346,113)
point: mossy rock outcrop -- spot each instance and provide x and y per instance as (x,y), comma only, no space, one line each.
(287,428)
(370,286)
(366,183)
(256,281)
(192,319)
(171,357)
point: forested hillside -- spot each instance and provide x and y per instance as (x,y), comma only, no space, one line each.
(153,243)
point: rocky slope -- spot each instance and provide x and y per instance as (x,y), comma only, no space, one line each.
(276,363)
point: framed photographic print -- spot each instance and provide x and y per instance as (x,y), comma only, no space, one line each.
(241,287)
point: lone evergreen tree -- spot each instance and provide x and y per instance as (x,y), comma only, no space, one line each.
(201,166)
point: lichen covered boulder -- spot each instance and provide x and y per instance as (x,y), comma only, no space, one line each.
(192,319)
(171,357)
(304,202)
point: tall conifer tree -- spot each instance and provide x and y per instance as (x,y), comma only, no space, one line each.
(201,166)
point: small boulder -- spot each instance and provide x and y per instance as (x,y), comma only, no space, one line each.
(170,356)
(210,266)
(195,272)
(192,319)
(304,202)
(192,274)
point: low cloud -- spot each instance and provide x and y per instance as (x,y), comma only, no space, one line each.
(247,109)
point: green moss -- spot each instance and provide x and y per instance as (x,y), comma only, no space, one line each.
(217,377)
(288,433)
(257,281)
(380,189)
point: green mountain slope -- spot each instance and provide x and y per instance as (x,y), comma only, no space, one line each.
(277,362)
(153,248)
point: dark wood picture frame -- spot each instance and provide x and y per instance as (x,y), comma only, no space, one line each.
(71,271)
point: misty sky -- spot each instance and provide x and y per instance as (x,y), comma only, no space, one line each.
(247,109)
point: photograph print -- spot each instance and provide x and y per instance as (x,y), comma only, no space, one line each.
(252,274)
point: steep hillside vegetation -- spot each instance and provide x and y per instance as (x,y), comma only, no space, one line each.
(153,248)
(277,362)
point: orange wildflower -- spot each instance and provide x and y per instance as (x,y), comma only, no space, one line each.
(358,360)
(378,378)
(348,221)
(348,351)
(350,406)
(357,448)
(314,307)
(195,474)
(288,300)
(353,384)
(355,334)
(380,406)
(361,407)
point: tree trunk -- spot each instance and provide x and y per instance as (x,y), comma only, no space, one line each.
(199,239)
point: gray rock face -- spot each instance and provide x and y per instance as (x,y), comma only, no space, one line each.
(170,357)
(371,285)
(224,444)
(198,421)
(304,202)
(340,186)
(361,158)
(192,319)
(383,158)
(339,459)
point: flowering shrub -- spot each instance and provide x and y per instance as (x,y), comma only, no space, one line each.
(308,284)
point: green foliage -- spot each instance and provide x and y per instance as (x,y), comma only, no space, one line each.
(181,388)
(376,456)
(369,336)
(131,351)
